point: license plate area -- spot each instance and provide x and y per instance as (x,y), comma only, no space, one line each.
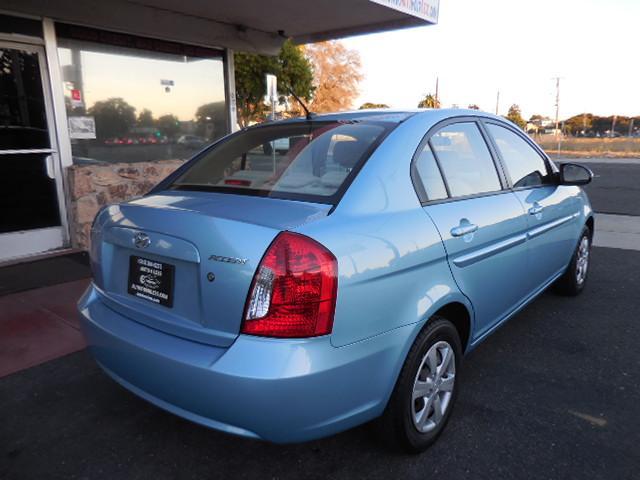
(151,280)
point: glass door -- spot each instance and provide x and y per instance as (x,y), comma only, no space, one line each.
(31,194)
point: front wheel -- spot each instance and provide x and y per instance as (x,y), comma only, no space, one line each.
(573,280)
(426,390)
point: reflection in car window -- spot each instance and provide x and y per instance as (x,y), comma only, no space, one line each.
(303,159)
(430,175)
(23,123)
(526,167)
(465,160)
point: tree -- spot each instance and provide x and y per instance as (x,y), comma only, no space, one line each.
(169,125)
(336,75)
(114,117)
(290,66)
(579,123)
(145,118)
(536,119)
(369,105)
(515,115)
(210,119)
(429,101)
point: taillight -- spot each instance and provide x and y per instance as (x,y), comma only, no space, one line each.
(294,290)
(240,183)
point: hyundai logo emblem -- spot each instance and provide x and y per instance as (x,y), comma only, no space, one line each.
(141,240)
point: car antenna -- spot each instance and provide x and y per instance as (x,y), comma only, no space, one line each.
(308,114)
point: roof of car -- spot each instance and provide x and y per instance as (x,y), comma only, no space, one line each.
(387,115)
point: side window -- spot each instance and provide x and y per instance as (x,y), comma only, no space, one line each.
(465,160)
(430,175)
(526,167)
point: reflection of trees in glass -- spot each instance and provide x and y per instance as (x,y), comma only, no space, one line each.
(145,118)
(209,117)
(114,117)
(20,89)
(168,125)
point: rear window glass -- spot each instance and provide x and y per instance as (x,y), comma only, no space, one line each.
(308,161)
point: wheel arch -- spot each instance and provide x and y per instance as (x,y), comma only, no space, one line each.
(455,308)
(458,314)
(590,223)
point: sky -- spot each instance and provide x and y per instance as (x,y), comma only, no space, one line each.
(480,47)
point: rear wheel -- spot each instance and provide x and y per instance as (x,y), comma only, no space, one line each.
(574,279)
(426,390)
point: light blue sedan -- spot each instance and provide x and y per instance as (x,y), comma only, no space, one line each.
(291,293)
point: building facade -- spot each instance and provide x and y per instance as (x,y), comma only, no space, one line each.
(100,100)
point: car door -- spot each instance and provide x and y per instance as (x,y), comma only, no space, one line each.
(552,210)
(482,224)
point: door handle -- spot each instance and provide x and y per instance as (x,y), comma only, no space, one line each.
(51,171)
(463,229)
(536,209)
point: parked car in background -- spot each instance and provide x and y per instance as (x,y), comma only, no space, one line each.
(191,141)
(291,294)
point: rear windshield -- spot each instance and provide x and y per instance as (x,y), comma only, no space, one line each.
(312,161)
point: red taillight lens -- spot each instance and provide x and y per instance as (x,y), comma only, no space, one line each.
(294,290)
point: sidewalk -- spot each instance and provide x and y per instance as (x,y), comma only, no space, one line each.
(39,325)
(617,231)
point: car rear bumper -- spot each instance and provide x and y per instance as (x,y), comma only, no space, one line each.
(277,390)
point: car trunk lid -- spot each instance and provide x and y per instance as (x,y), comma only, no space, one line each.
(197,252)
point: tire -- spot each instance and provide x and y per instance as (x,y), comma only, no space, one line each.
(401,425)
(572,282)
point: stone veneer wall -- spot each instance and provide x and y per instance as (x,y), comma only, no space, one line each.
(93,186)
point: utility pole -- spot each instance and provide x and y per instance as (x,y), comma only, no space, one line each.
(558,136)
(437,93)
(557,104)
(613,126)
(631,126)
(497,102)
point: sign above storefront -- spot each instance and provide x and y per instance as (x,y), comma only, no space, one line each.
(424,9)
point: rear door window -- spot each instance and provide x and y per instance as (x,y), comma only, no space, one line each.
(465,160)
(525,166)
(430,175)
(306,161)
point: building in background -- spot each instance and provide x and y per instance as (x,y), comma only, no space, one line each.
(100,100)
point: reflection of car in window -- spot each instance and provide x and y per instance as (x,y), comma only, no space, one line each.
(191,141)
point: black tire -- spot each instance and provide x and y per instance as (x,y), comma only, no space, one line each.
(569,283)
(396,426)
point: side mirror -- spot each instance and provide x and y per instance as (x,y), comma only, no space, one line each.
(574,174)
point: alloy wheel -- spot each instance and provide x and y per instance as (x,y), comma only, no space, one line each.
(582,263)
(433,387)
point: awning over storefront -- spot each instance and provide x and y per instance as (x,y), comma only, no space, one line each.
(247,25)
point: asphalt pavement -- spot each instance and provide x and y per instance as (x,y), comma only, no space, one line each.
(552,395)
(615,188)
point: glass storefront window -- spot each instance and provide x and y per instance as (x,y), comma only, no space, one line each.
(132,99)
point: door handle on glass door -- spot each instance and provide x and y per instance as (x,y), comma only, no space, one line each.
(51,171)
(463,229)
(536,209)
